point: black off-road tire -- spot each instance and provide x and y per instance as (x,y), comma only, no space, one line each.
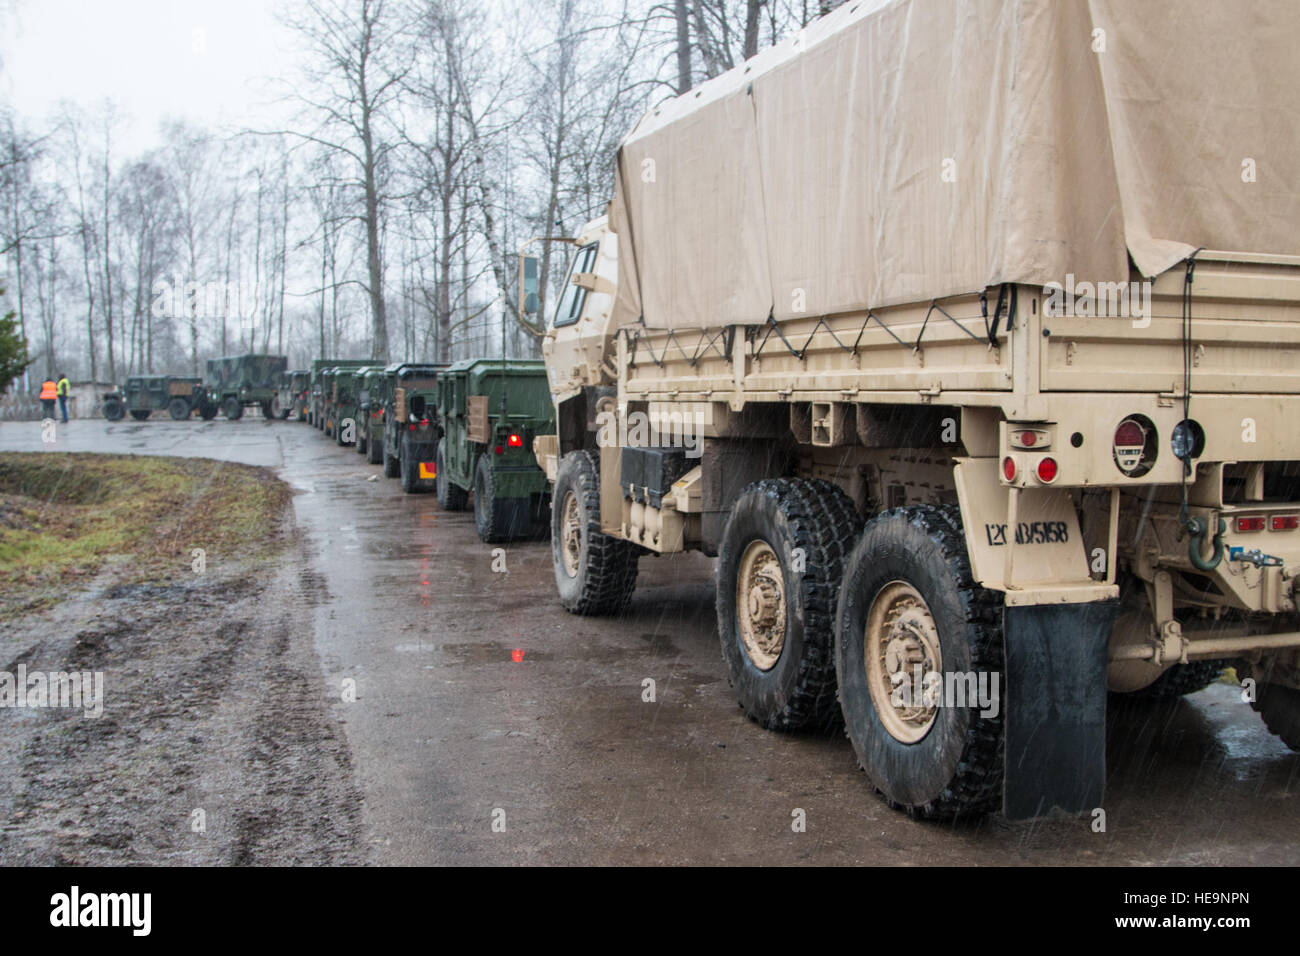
(362,442)
(1180,680)
(375,449)
(1279,706)
(208,411)
(451,497)
(498,519)
(956,769)
(178,409)
(797,691)
(232,408)
(140,415)
(606,566)
(392,464)
(113,409)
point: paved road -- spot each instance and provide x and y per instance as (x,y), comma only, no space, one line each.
(479,698)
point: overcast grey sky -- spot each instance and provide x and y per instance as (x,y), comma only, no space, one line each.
(199,59)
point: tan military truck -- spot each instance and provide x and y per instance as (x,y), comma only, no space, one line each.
(967,338)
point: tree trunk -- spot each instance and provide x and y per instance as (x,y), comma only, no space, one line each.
(681,13)
(752,8)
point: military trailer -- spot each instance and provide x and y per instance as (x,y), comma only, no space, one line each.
(235,382)
(490,411)
(410,425)
(144,394)
(292,395)
(978,421)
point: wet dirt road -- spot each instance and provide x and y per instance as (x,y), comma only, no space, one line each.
(479,701)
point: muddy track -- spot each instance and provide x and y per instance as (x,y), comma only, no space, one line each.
(216,744)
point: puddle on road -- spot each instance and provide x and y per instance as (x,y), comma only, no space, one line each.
(491,652)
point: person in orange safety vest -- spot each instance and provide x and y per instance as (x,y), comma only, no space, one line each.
(49,394)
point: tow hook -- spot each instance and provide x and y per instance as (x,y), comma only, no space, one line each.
(1254,556)
(1198,528)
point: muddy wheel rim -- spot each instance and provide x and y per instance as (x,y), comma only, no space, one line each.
(571,535)
(760,604)
(901,639)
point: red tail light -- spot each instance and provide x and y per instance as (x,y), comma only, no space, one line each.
(1130,446)
(1284,523)
(1047,470)
(1009,468)
(1251,523)
(515,441)
(500,450)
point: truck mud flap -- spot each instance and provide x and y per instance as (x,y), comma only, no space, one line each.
(1056,707)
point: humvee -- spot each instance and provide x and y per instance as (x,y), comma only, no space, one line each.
(490,411)
(292,394)
(346,384)
(144,394)
(323,389)
(370,413)
(235,382)
(952,425)
(411,426)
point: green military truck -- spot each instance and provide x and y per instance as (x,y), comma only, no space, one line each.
(370,413)
(411,425)
(235,382)
(490,411)
(144,394)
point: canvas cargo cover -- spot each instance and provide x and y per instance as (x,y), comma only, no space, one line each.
(901,150)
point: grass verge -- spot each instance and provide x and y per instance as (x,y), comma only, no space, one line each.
(64,517)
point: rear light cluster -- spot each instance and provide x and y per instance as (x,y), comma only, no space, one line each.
(1246,523)
(513,440)
(1046,470)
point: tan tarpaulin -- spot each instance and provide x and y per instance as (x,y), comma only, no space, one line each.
(911,149)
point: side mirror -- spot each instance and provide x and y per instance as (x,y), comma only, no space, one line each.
(529,270)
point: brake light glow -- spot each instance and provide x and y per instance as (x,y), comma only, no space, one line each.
(515,441)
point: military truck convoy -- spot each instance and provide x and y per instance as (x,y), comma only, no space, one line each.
(980,422)
(976,432)
(455,429)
